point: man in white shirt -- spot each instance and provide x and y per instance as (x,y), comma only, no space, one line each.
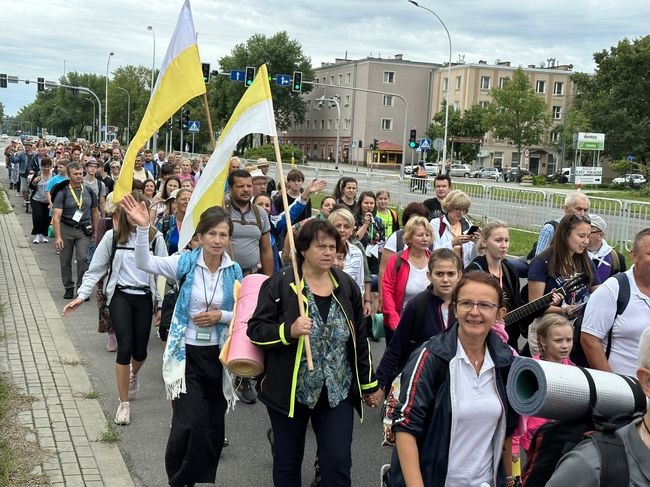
(600,317)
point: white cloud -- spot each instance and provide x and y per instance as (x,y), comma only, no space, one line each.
(83,32)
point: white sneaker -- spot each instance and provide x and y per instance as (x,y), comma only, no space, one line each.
(123,415)
(36,239)
(134,385)
(44,239)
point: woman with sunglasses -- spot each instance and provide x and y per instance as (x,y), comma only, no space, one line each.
(566,256)
(454,421)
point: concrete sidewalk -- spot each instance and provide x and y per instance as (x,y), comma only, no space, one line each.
(39,357)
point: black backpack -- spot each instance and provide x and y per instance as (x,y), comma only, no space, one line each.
(533,250)
(623,298)
(554,439)
(167,309)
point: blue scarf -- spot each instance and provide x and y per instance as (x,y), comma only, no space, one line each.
(174,357)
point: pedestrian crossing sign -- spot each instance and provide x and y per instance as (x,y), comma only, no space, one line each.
(194,126)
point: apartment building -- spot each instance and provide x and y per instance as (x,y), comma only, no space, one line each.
(379,99)
(471,84)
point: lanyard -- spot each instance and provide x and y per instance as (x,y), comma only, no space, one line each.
(80,199)
(205,290)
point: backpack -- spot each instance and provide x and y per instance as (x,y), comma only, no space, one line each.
(115,248)
(399,239)
(167,309)
(531,253)
(623,298)
(556,438)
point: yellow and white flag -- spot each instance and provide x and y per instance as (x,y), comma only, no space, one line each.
(180,79)
(253,115)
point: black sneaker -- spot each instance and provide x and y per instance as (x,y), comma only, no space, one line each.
(244,390)
(69,294)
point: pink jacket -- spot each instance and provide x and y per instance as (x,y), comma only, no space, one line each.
(393,285)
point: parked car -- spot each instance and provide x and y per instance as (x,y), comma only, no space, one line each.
(460,170)
(633,180)
(514,174)
(475,174)
(431,168)
(490,173)
(560,177)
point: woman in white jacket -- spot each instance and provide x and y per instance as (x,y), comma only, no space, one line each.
(450,230)
(131,297)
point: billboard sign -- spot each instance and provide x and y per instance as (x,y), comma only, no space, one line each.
(590,141)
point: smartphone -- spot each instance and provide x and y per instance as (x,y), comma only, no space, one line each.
(472,230)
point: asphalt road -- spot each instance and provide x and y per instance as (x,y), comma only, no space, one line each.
(247,462)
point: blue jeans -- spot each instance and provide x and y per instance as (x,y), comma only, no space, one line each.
(333,429)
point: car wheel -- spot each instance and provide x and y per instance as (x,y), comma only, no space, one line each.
(466,175)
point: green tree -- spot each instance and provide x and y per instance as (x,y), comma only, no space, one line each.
(516,113)
(468,124)
(616,99)
(282,55)
(268,151)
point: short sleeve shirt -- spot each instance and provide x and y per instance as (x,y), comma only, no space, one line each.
(65,201)
(538,272)
(247,235)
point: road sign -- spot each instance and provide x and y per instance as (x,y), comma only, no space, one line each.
(526,153)
(283,79)
(425,144)
(193,126)
(353,144)
(237,75)
(438,143)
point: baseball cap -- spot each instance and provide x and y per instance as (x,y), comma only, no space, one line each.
(257,174)
(598,222)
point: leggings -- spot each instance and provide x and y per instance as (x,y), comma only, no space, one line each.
(40,218)
(131,316)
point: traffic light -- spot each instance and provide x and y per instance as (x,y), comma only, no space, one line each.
(205,68)
(250,76)
(412,142)
(375,144)
(40,86)
(3,80)
(297,81)
(185,118)
(360,144)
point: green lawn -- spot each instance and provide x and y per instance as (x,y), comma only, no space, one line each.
(4,206)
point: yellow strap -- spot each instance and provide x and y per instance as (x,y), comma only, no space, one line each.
(79,202)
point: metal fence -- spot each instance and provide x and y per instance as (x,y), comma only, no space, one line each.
(520,207)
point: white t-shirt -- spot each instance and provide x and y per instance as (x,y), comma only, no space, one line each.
(391,243)
(353,265)
(600,317)
(475,419)
(129,274)
(416,283)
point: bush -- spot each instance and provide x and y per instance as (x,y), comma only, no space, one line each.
(268,151)
(539,180)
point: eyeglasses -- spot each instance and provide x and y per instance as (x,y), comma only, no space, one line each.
(483,306)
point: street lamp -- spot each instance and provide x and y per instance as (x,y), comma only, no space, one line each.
(106,99)
(335,100)
(94,119)
(153,70)
(128,115)
(444,147)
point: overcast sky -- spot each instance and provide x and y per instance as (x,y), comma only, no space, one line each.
(40,36)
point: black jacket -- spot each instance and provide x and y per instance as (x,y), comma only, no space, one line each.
(427,414)
(269,328)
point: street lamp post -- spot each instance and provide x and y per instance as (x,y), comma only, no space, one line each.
(94,119)
(338,126)
(444,147)
(153,71)
(106,99)
(128,115)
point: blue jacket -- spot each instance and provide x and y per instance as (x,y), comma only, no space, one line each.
(433,431)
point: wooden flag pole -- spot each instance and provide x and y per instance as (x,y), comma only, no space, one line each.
(292,246)
(207,116)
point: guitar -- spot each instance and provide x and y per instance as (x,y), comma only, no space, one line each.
(573,283)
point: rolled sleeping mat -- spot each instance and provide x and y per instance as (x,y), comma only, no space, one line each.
(562,392)
(244,358)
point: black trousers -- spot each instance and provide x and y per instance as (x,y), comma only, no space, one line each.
(333,430)
(196,437)
(131,316)
(40,218)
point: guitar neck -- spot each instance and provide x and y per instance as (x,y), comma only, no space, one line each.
(528,309)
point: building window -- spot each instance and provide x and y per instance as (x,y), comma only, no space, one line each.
(540,86)
(515,158)
(322,124)
(483,103)
(558,88)
(498,159)
(445,84)
(502,81)
(485,82)
(557,113)
(348,78)
(388,100)
(329,124)
(316,80)
(346,123)
(459,81)
(387,124)
(456,105)
(389,76)
(332,80)
(555,136)
(308,127)
(347,100)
